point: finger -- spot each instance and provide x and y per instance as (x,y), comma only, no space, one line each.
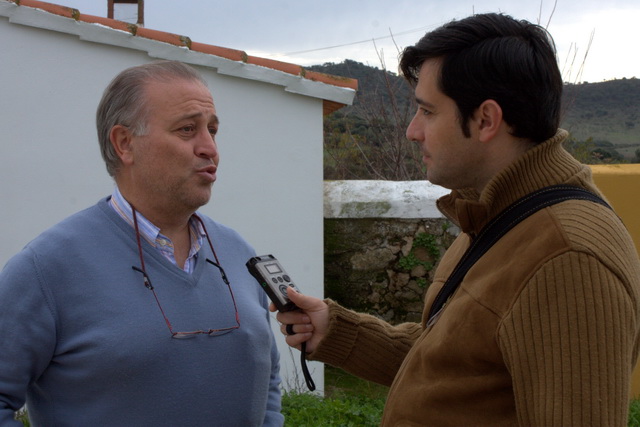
(305,302)
(292,317)
(297,339)
(288,329)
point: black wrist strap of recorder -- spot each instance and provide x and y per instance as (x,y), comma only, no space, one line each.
(305,369)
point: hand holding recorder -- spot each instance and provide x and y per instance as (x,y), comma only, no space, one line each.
(304,320)
(310,322)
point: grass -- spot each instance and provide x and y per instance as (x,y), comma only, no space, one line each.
(348,402)
(308,410)
(338,383)
(634,413)
(23,417)
(352,402)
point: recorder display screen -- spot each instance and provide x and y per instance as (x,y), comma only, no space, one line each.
(272,268)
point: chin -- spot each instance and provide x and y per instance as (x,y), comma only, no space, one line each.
(204,201)
(197,201)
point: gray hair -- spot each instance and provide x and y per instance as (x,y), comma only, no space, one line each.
(124,102)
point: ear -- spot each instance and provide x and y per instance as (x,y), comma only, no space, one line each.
(488,119)
(121,140)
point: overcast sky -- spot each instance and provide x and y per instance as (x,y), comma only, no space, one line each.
(308,33)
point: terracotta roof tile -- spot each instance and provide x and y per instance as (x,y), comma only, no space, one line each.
(56,9)
(184,41)
(224,52)
(162,36)
(296,70)
(112,23)
(331,79)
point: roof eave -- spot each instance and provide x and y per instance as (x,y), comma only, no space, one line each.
(334,91)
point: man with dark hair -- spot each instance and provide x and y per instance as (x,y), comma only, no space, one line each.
(491,57)
(139,311)
(543,329)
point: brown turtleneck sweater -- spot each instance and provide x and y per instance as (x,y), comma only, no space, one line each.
(543,330)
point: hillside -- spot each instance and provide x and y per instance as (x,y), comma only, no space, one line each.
(608,112)
(373,83)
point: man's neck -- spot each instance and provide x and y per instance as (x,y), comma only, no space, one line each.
(173,223)
(501,157)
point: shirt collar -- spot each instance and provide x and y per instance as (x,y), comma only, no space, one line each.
(147,229)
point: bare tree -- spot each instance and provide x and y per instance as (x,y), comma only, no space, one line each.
(382,150)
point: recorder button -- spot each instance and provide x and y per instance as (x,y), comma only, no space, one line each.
(283,289)
(274,280)
(286,278)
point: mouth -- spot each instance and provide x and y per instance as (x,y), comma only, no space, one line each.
(208,172)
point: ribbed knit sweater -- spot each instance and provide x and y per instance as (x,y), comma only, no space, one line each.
(85,341)
(543,330)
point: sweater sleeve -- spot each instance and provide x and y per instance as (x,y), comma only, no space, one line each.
(365,345)
(273,416)
(569,343)
(27,333)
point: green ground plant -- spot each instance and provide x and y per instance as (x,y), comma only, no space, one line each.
(349,402)
(309,410)
(430,244)
(23,417)
(634,413)
(352,402)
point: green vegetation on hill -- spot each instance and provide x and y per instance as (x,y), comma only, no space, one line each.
(608,113)
(374,85)
(366,140)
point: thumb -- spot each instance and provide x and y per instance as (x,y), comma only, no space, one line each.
(305,302)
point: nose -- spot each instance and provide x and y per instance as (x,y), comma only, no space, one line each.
(413,132)
(206,145)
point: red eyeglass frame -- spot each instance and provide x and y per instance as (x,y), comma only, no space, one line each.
(147,283)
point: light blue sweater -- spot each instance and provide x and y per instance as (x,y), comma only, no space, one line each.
(84,341)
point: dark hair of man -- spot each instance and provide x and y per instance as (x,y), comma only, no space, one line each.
(493,56)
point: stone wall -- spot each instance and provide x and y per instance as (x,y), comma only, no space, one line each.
(382,240)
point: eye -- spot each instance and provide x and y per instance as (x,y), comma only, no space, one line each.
(213,130)
(186,131)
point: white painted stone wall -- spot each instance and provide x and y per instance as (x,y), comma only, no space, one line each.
(381,199)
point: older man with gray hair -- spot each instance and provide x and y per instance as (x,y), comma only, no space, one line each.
(138,310)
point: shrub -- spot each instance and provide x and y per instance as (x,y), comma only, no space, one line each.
(23,417)
(343,409)
(634,413)
(348,410)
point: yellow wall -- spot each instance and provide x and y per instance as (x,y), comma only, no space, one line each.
(621,186)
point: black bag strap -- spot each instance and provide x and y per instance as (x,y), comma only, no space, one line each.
(500,225)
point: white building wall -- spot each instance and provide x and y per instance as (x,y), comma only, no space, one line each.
(270,177)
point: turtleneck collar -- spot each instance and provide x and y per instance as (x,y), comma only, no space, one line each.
(548,163)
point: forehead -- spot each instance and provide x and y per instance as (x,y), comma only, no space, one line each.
(428,75)
(428,89)
(177,96)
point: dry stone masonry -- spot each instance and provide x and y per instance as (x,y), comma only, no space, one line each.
(382,241)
